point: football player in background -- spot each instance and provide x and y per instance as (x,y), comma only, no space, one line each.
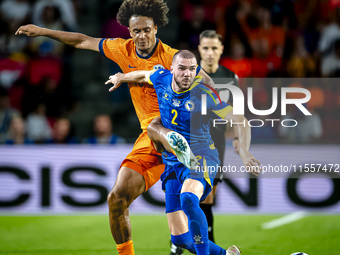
(143,166)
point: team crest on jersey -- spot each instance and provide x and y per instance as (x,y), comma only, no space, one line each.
(189,105)
(157,67)
(176,103)
(166,96)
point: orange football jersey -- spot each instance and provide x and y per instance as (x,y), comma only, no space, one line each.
(143,95)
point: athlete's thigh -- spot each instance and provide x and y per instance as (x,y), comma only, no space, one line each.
(145,160)
(129,184)
(210,198)
(178,223)
(208,162)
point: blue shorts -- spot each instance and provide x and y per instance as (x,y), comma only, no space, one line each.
(175,175)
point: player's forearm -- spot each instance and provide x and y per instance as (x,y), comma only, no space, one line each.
(119,78)
(244,135)
(77,40)
(136,76)
(236,135)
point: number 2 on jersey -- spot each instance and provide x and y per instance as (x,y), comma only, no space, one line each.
(175,116)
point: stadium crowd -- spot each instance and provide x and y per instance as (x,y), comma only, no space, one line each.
(268,44)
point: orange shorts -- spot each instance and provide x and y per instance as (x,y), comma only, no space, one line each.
(144,159)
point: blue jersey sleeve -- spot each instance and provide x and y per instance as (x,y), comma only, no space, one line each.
(217,108)
(159,77)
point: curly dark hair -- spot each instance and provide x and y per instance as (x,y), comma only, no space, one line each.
(154,9)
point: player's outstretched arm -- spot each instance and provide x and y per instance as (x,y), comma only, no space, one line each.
(136,76)
(244,135)
(77,40)
(236,142)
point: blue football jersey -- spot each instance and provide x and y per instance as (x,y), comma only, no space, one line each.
(181,111)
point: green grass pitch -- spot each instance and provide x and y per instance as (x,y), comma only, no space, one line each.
(90,235)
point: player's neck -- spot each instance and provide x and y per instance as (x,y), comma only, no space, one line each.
(175,87)
(144,53)
(148,52)
(209,68)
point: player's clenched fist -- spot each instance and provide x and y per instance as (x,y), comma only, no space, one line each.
(29,30)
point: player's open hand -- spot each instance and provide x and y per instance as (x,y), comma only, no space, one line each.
(251,164)
(29,30)
(116,80)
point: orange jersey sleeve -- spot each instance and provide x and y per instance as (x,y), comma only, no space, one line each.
(116,49)
(143,95)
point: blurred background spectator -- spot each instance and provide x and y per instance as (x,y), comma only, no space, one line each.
(7,113)
(17,132)
(331,63)
(308,130)
(38,127)
(301,64)
(43,13)
(196,20)
(51,19)
(284,41)
(330,33)
(62,133)
(102,129)
(17,11)
(237,60)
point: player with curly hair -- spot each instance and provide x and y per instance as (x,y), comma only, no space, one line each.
(143,166)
